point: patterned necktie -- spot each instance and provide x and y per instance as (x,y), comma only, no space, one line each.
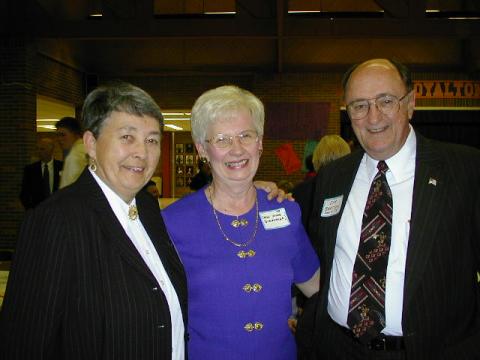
(366,313)
(46,180)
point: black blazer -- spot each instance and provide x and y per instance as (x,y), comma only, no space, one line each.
(441,309)
(78,288)
(31,193)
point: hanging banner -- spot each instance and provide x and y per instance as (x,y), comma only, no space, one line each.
(446,89)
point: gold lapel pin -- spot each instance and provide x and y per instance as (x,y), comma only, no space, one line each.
(432,181)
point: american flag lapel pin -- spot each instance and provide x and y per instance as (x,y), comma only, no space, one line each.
(432,181)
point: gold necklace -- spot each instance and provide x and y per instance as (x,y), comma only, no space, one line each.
(220,226)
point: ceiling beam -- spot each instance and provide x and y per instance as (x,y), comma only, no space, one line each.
(209,28)
(394,8)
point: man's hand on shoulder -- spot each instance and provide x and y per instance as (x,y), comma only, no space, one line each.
(274,192)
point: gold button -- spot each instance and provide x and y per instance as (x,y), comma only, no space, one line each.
(258,326)
(244,254)
(257,288)
(248,288)
(249,327)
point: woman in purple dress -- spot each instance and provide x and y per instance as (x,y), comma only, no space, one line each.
(241,252)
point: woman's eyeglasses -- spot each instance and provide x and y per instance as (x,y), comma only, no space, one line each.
(223,141)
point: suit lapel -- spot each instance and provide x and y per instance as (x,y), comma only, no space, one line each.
(152,220)
(429,194)
(57,167)
(110,226)
(340,184)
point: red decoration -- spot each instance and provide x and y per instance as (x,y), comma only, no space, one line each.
(289,158)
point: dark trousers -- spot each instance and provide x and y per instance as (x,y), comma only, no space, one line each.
(330,342)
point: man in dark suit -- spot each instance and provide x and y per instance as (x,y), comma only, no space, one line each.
(431,297)
(41,178)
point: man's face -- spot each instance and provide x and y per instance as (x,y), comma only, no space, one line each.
(45,150)
(66,138)
(380,135)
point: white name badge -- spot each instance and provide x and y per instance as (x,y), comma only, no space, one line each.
(332,206)
(274,219)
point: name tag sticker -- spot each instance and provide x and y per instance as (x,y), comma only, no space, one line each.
(274,219)
(332,206)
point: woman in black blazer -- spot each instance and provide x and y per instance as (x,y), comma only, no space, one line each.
(95,275)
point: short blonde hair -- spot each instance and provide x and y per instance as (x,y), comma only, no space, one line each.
(330,147)
(221,102)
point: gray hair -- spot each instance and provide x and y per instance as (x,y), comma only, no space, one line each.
(221,102)
(117,96)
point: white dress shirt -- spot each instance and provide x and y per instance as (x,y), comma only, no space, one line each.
(73,164)
(400,178)
(139,237)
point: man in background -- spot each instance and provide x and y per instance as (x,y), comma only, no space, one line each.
(69,133)
(41,178)
(203,177)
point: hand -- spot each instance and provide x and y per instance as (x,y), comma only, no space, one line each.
(273,191)
(292,324)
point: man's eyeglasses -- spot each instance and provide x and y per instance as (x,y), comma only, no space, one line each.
(223,141)
(386,104)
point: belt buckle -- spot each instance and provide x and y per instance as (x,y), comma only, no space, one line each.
(378,344)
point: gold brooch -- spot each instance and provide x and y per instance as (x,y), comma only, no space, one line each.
(132,212)
(243,254)
(237,223)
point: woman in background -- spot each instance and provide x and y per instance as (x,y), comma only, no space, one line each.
(241,251)
(328,149)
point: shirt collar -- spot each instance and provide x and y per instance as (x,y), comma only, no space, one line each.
(119,207)
(400,163)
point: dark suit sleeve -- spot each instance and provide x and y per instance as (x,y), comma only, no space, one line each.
(34,300)
(303,194)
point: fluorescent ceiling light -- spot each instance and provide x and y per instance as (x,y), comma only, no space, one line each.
(220,12)
(463,18)
(303,11)
(174,127)
(176,113)
(177,119)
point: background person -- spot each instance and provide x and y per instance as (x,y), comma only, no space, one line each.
(41,178)
(328,149)
(426,239)
(203,177)
(95,275)
(241,252)
(69,134)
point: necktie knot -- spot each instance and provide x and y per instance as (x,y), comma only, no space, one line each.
(382,166)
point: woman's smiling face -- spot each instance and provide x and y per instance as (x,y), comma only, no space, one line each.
(126,152)
(236,163)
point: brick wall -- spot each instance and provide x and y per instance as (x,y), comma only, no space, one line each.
(17,126)
(180,92)
(24,74)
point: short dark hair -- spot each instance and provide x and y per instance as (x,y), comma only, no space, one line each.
(69,123)
(117,96)
(403,71)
